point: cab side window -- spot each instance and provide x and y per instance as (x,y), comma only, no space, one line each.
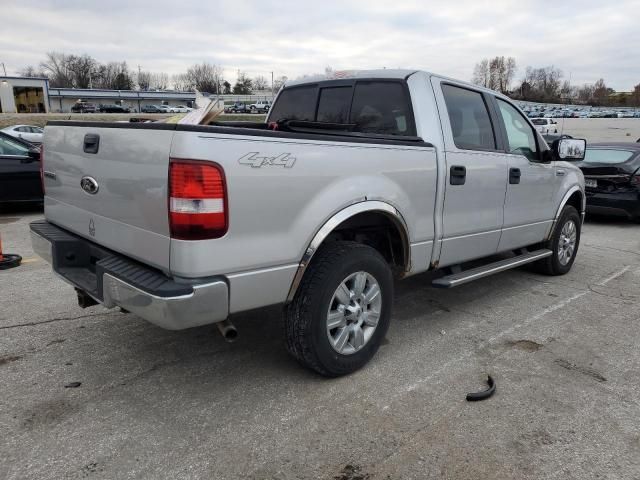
(469,117)
(521,138)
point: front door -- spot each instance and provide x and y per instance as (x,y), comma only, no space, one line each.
(529,206)
(476,175)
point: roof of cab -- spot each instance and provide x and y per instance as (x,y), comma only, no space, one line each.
(399,73)
(348,74)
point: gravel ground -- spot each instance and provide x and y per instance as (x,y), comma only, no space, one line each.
(158,404)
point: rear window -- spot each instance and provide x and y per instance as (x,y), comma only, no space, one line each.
(334,105)
(607,156)
(380,107)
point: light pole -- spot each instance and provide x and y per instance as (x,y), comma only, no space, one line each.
(272,86)
(4,69)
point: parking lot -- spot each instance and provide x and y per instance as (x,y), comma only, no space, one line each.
(155,403)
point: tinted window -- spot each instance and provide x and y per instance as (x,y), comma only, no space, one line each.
(9,147)
(298,103)
(334,105)
(607,156)
(382,107)
(520,136)
(539,121)
(469,118)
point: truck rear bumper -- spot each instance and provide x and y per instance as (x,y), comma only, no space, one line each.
(115,280)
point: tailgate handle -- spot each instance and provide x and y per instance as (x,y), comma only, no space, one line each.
(91,143)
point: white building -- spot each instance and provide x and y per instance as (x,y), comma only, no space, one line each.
(24,95)
(62,99)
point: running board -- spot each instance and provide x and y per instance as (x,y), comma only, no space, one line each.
(466,276)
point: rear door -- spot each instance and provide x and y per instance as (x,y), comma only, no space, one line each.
(530,205)
(476,174)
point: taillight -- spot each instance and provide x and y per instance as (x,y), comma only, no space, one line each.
(42,167)
(197,200)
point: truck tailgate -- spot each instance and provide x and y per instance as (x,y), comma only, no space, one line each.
(128,211)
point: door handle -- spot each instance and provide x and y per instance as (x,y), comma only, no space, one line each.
(514,176)
(457,175)
(91,143)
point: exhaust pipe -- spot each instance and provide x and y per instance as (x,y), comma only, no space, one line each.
(227,330)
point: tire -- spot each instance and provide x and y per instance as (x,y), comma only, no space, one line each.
(309,338)
(557,263)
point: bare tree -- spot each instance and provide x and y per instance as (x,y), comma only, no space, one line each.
(496,73)
(541,84)
(600,92)
(181,83)
(32,72)
(279,82)
(57,67)
(260,83)
(635,96)
(159,81)
(481,74)
(144,80)
(206,77)
(244,85)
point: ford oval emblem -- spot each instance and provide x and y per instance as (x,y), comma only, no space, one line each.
(89,185)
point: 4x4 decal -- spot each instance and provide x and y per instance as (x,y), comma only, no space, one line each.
(256,160)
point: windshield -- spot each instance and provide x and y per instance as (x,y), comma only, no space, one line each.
(10,147)
(607,156)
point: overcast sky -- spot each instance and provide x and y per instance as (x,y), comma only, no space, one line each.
(590,39)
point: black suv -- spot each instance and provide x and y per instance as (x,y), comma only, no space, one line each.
(83,107)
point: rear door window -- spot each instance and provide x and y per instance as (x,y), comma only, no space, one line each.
(296,103)
(382,107)
(469,118)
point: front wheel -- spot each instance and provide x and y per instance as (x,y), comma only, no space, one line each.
(564,243)
(342,309)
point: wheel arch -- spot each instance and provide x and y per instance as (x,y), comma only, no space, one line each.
(574,197)
(356,218)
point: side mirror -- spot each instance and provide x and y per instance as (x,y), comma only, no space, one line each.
(569,149)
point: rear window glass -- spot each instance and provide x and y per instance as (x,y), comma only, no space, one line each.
(297,103)
(607,156)
(382,107)
(470,122)
(334,104)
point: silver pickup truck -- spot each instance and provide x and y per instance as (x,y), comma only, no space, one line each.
(351,182)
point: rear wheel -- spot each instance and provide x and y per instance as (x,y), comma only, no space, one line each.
(342,309)
(564,243)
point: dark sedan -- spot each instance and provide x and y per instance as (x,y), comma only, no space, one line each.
(612,179)
(151,109)
(19,171)
(112,108)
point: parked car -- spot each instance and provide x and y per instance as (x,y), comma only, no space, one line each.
(152,109)
(19,170)
(612,179)
(84,107)
(112,108)
(260,106)
(344,187)
(545,125)
(166,109)
(30,133)
(181,109)
(237,107)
